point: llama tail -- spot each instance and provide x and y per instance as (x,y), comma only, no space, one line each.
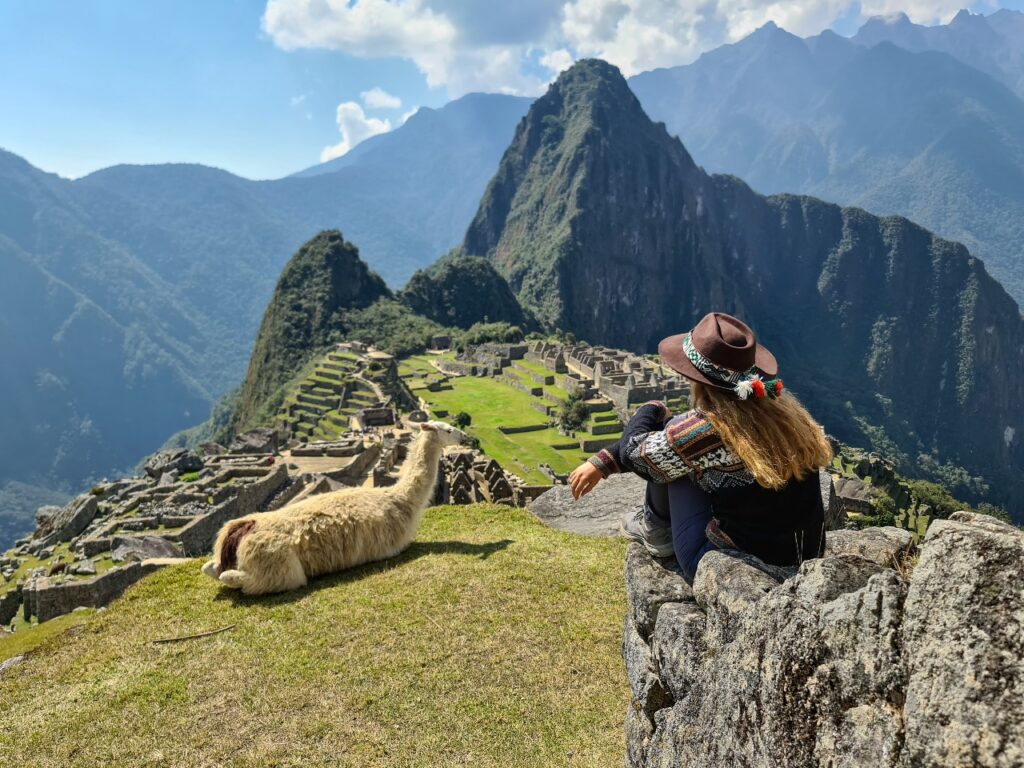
(225,550)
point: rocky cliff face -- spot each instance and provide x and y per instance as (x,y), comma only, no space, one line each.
(324,279)
(462,291)
(860,658)
(897,339)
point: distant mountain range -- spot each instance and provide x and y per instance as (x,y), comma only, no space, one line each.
(131,297)
(993,44)
(605,227)
(921,135)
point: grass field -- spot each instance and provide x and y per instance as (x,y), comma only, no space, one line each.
(492,641)
(493,404)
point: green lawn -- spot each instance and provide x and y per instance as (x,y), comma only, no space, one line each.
(493,404)
(492,641)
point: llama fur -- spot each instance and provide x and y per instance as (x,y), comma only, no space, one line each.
(280,550)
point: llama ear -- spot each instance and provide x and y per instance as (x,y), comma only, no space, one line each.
(426,426)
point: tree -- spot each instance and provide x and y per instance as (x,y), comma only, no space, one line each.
(462,420)
(573,414)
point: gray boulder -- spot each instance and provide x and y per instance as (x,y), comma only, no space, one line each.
(854,495)
(835,517)
(180,461)
(885,546)
(845,662)
(83,568)
(650,584)
(599,513)
(138,548)
(259,440)
(67,522)
(167,478)
(963,636)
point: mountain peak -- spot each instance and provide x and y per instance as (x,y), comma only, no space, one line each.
(589,81)
(323,280)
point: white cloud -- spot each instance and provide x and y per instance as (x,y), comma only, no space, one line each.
(378,98)
(923,11)
(557,61)
(355,127)
(466,45)
(409,114)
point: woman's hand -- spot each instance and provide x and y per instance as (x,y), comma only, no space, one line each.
(583,479)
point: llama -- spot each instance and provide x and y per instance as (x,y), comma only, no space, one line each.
(278,551)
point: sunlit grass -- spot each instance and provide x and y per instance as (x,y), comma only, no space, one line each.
(492,641)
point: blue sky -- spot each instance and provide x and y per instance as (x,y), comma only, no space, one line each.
(266,87)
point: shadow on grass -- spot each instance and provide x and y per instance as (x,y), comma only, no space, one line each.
(414,551)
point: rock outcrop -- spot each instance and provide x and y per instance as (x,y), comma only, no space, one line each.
(860,658)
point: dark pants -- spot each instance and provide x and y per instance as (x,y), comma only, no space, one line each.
(688,509)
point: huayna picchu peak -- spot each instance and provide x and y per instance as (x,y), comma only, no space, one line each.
(898,339)
(323,280)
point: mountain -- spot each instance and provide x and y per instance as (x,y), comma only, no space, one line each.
(96,346)
(605,226)
(921,135)
(462,291)
(322,281)
(994,43)
(472,130)
(132,295)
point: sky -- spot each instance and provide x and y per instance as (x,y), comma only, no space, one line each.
(264,88)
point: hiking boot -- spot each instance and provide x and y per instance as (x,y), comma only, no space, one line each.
(655,535)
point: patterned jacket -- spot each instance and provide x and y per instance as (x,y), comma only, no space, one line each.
(661,450)
(781,527)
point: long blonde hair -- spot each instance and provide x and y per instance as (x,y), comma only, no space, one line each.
(777,439)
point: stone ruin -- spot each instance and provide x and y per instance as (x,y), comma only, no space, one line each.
(622,377)
(89,551)
(863,477)
(343,393)
(470,477)
(875,655)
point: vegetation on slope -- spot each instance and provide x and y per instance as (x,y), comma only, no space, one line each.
(918,134)
(321,282)
(492,641)
(461,291)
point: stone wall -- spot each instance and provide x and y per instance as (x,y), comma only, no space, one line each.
(874,655)
(46,601)
(197,537)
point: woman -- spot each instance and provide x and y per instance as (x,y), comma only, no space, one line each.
(738,471)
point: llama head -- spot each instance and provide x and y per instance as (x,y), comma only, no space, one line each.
(446,434)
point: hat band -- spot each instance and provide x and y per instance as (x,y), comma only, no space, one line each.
(708,368)
(744,384)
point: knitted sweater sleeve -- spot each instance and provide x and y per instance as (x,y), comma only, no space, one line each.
(630,454)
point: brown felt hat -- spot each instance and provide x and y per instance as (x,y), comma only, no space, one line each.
(720,351)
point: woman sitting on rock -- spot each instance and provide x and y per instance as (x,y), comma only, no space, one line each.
(739,471)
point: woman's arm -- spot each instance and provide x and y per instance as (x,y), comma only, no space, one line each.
(649,417)
(608,461)
(648,447)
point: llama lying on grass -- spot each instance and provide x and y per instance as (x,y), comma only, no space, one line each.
(277,551)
